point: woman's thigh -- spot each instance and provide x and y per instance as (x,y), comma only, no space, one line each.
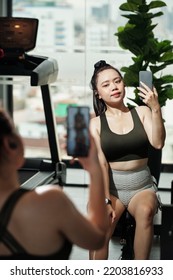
(143,203)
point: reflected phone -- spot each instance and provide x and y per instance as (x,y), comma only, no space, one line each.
(78,138)
(147,78)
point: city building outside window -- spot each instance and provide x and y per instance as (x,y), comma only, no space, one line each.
(77,34)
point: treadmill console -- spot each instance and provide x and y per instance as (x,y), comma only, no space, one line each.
(17,37)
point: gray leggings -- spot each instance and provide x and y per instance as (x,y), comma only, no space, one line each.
(125,184)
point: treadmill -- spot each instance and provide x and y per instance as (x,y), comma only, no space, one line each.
(18,36)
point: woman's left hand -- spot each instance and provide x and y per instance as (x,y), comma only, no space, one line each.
(149,97)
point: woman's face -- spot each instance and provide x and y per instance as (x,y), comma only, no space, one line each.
(110,86)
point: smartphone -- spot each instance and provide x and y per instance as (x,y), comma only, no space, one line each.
(78,138)
(147,78)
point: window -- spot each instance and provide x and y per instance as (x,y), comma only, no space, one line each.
(77,34)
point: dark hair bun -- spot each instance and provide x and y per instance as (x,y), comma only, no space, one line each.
(100,64)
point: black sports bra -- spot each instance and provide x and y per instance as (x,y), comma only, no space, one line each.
(18,252)
(124,147)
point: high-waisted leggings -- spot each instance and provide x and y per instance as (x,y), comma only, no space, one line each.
(125,184)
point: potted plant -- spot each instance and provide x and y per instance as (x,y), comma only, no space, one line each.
(148,53)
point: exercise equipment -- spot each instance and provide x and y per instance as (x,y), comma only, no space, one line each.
(17,37)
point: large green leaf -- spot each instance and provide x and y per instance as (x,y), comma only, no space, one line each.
(129,7)
(169,93)
(157,68)
(151,15)
(165,45)
(157,4)
(166,57)
(166,79)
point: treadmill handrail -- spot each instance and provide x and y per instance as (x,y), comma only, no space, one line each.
(43,70)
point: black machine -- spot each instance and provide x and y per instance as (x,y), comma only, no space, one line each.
(166,236)
(18,36)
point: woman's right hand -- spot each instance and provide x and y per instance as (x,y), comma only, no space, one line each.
(111,213)
(90,162)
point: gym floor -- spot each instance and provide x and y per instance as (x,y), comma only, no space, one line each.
(79,196)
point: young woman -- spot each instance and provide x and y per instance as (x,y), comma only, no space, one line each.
(43,223)
(123,136)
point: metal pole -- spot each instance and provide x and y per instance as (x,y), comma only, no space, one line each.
(172,192)
(50,123)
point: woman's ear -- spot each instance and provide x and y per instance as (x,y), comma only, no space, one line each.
(10,143)
(13,146)
(97,95)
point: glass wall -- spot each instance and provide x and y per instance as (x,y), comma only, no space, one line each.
(77,33)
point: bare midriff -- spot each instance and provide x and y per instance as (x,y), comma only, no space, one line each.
(128,165)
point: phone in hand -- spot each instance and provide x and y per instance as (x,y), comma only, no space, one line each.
(78,138)
(147,78)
